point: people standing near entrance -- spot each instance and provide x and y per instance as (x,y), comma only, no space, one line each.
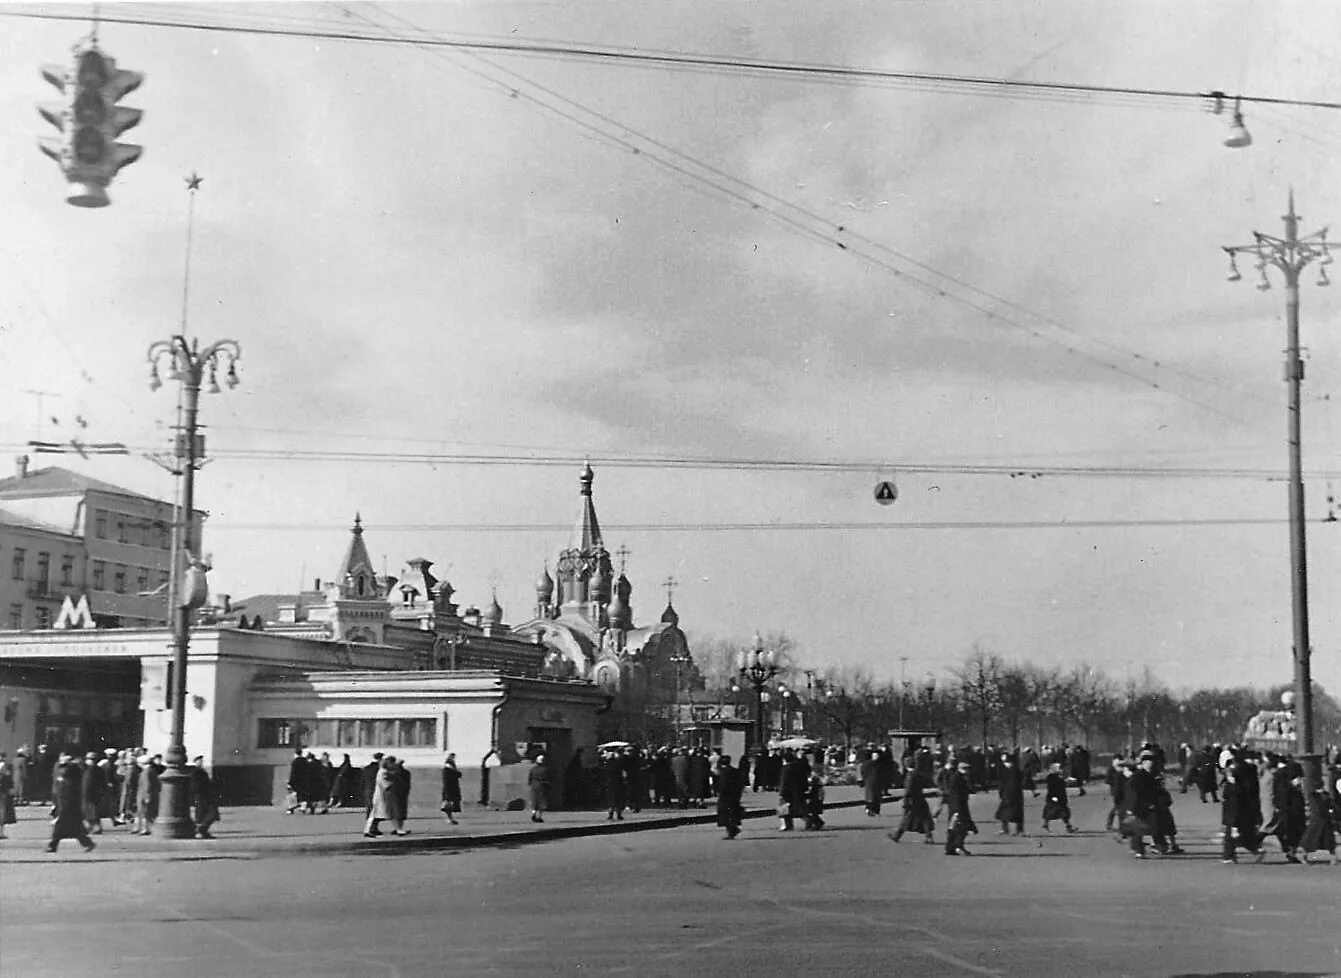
(680,771)
(40,774)
(451,788)
(204,806)
(612,776)
(634,784)
(67,820)
(7,816)
(296,783)
(146,796)
(129,771)
(109,804)
(92,787)
(1055,803)
(537,784)
(730,788)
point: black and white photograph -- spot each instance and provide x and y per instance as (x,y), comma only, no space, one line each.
(670,488)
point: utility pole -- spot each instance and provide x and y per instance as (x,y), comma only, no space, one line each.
(1291,254)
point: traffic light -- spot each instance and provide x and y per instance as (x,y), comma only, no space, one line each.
(90,121)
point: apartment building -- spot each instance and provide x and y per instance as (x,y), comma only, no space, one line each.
(64,534)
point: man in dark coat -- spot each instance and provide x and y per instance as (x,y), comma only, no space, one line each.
(368,782)
(957,793)
(297,783)
(67,820)
(612,775)
(1239,815)
(698,777)
(204,805)
(1010,790)
(1139,799)
(730,788)
(634,784)
(1289,817)
(792,790)
(680,771)
(1055,803)
(870,781)
(451,788)
(1117,782)
(92,787)
(1080,766)
(916,811)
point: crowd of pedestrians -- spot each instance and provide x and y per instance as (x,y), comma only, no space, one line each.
(120,787)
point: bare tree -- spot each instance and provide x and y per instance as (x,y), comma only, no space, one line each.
(979,680)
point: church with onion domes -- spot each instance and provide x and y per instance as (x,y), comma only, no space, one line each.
(584,615)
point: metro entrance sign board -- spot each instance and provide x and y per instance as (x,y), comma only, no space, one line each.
(886,492)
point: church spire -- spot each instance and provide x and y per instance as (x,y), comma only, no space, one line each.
(588,529)
(357,578)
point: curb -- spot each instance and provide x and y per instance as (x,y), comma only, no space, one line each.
(193,850)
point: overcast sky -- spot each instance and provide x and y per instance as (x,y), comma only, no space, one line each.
(434,251)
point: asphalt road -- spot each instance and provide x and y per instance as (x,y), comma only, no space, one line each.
(677,902)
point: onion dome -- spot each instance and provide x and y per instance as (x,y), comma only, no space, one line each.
(544,586)
(599,588)
(669,616)
(493,615)
(619,613)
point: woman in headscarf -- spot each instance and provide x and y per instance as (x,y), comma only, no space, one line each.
(451,788)
(340,782)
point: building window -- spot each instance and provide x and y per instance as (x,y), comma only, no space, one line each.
(346,733)
(43,616)
(163,578)
(417,733)
(19,555)
(67,570)
(142,578)
(275,733)
(119,580)
(100,524)
(99,575)
(16,616)
(120,531)
(43,569)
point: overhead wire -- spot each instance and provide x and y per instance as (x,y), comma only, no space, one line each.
(771,526)
(833,233)
(681,60)
(1021,470)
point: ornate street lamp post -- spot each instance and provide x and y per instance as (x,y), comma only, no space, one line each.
(1291,254)
(189,365)
(757,667)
